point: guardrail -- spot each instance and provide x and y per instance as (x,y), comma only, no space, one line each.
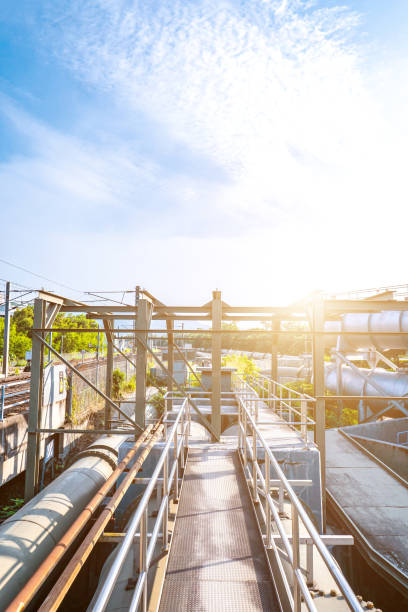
(250,441)
(7,392)
(291,406)
(164,477)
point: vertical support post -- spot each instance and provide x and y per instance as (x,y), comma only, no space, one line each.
(109,373)
(165,525)
(303,418)
(274,351)
(176,471)
(319,389)
(97,361)
(216,311)
(309,562)
(2,396)
(267,493)
(170,359)
(339,387)
(296,560)
(6,336)
(143,558)
(144,313)
(254,462)
(36,392)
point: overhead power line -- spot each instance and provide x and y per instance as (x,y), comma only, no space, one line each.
(50,280)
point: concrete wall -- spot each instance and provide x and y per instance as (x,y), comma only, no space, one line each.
(380,438)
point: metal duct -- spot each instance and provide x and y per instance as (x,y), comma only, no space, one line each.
(388,321)
(30,534)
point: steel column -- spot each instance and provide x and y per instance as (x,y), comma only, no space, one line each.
(109,373)
(319,390)
(170,359)
(274,350)
(216,311)
(144,315)
(6,336)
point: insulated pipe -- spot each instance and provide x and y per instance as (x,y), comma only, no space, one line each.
(30,534)
(24,597)
(394,384)
(388,321)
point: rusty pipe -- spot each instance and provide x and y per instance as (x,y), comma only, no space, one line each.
(26,594)
(64,582)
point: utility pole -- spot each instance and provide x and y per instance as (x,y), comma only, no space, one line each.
(6,337)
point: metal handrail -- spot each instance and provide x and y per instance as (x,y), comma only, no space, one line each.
(279,405)
(278,384)
(247,425)
(182,422)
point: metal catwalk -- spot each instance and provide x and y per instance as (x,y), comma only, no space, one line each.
(217,561)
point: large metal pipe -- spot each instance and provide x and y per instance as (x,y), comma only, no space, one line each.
(394,384)
(388,321)
(50,562)
(30,534)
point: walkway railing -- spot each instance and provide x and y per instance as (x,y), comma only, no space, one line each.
(165,478)
(291,406)
(250,442)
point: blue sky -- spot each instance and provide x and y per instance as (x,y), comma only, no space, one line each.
(255,146)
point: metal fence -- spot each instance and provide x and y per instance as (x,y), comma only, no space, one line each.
(250,443)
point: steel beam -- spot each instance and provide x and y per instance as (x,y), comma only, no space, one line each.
(109,372)
(144,314)
(274,350)
(6,334)
(44,313)
(318,319)
(216,312)
(170,359)
(36,386)
(179,388)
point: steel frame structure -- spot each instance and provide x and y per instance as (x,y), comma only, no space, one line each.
(148,309)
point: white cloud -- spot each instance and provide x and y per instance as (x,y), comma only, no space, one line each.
(278,96)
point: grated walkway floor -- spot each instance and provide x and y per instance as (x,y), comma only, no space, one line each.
(217,562)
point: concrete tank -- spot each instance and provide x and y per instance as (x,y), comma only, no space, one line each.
(30,534)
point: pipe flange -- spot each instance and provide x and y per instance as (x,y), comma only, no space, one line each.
(94,453)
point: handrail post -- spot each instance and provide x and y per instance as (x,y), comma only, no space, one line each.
(267,493)
(280,499)
(296,559)
(182,436)
(176,482)
(245,440)
(142,558)
(303,418)
(165,527)
(309,562)
(2,393)
(254,462)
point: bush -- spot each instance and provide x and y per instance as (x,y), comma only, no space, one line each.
(118,379)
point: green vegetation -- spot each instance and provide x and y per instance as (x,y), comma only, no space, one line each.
(157,400)
(14,505)
(242,363)
(120,386)
(255,342)
(21,323)
(348,416)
